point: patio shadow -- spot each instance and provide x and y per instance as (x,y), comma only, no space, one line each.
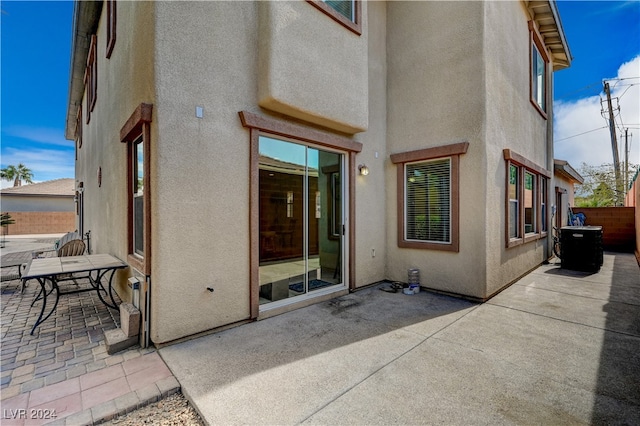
(617,393)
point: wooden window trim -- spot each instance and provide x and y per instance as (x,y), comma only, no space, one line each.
(524,165)
(453,152)
(78,131)
(257,125)
(542,180)
(519,239)
(535,39)
(91,77)
(139,123)
(111,27)
(354,26)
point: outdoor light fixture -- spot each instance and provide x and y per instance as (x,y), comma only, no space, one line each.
(364,170)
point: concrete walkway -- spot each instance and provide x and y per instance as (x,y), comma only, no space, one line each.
(557,347)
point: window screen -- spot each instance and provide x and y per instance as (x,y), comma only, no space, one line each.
(428,201)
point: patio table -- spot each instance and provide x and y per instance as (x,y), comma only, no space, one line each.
(56,269)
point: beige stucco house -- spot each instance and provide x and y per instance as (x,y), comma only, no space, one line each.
(249,158)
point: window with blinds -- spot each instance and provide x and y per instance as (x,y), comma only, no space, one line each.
(344,8)
(428,201)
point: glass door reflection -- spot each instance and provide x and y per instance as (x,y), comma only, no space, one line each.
(301,219)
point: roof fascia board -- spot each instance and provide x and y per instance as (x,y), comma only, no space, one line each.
(556,17)
(564,169)
(17,194)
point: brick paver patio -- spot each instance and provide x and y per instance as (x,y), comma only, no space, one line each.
(68,351)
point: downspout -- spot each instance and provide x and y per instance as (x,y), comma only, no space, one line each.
(549,245)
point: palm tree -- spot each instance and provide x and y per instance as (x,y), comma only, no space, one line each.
(17,174)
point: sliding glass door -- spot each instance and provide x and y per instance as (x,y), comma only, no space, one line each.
(301,209)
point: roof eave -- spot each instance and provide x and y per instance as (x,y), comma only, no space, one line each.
(10,194)
(564,169)
(86,15)
(545,14)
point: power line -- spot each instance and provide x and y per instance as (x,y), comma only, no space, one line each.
(581,89)
(620,79)
(580,134)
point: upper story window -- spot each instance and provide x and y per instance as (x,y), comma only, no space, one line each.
(538,71)
(91,77)
(346,12)
(428,201)
(111,26)
(345,8)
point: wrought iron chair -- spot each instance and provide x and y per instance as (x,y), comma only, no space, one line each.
(71,244)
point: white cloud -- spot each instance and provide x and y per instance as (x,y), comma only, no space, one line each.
(582,134)
(46,164)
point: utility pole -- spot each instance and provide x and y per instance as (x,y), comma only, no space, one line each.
(614,142)
(626,160)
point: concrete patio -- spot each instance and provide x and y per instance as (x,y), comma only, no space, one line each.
(557,347)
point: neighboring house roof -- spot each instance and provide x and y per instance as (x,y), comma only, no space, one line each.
(563,168)
(51,188)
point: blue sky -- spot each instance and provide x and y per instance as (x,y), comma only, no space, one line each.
(36,42)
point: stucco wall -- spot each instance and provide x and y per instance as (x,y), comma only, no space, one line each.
(408,85)
(513,123)
(307,61)
(124,81)
(16,203)
(371,191)
(201,213)
(436,96)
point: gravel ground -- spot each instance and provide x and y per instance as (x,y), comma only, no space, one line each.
(173,410)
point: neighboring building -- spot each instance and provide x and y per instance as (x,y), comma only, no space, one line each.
(40,208)
(219,147)
(565,178)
